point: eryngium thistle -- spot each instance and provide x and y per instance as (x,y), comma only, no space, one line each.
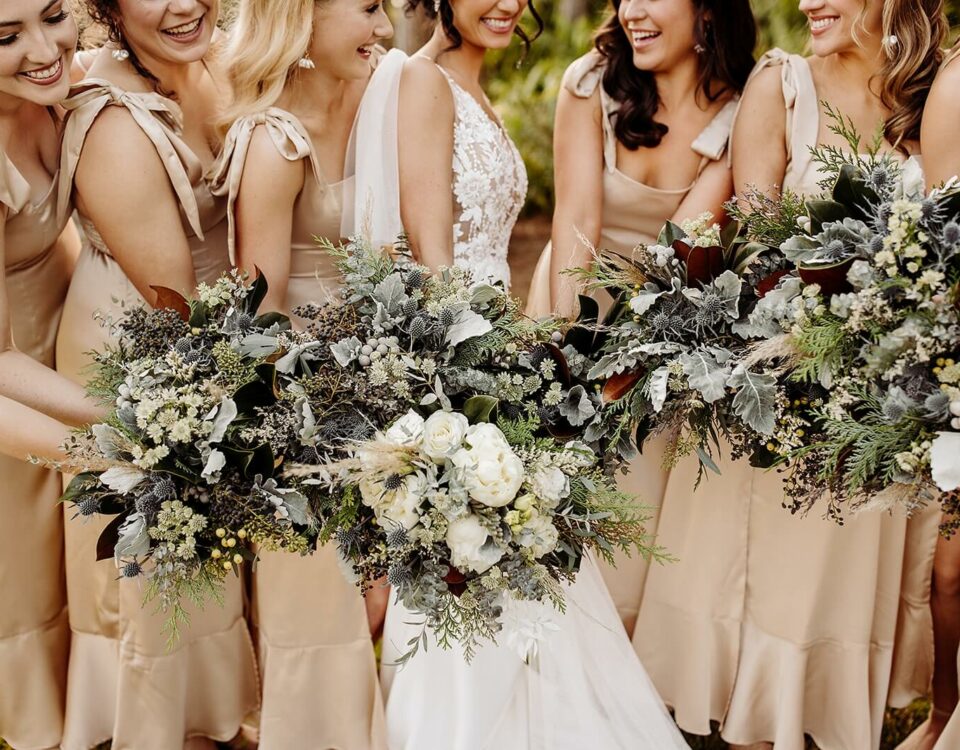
(410,307)
(347,539)
(131,569)
(447,316)
(397,536)
(393,482)
(88,506)
(415,278)
(399,575)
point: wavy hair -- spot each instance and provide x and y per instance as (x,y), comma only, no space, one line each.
(914,32)
(443,11)
(267,40)
(727,31)
(106,13)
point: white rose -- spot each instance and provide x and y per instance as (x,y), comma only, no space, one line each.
(550,484)
(402,506)
(539,535)
(443,434)
(491,474)
(408,430)
(485,433)
(469,547)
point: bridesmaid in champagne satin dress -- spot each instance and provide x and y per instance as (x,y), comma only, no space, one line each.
(616,196)
(282,174)
(137,140)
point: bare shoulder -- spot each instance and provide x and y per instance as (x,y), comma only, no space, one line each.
(265,164)
(115,137)
(765,90)
(423,83)
(945,85)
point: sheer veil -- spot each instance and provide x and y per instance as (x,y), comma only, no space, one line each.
(371,209)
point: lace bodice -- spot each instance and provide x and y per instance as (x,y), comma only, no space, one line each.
(489,189)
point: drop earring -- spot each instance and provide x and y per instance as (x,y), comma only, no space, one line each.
(305,63)
(699,48)
(120,54)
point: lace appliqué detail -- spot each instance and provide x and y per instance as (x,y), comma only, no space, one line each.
(489,189)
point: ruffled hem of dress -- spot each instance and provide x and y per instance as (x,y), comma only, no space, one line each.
(315,692)
(149,702)
(834,692)
(696,680)
(31,714)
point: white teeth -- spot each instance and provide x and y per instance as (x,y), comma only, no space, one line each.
(498,24)
(821,23)
(643,36)
(46,73)
(187,28)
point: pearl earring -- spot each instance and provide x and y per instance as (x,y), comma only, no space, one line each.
(120,54)
(699,49)
(306,63)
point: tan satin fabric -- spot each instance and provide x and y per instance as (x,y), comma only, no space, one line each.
(34,636)
(123,681)
(781,625)
(319,675)
(633,214)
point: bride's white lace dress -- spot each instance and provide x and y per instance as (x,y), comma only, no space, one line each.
(585,686)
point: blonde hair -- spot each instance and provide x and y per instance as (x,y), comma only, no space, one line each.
(266,41)
(914,32)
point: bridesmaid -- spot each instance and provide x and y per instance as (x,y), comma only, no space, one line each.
(298,71)
(794,633)
(134,162)
(37,251)
(941,157)
(642,123)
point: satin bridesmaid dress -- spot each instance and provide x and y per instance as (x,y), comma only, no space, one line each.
(34,635)
(633,214)
(319,672)
(779,625)
(124,683)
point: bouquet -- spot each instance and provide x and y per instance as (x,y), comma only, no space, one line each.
(181,463)
(671,353)
(474,490)
(870,324)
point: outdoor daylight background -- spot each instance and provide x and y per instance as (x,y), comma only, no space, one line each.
(524,92)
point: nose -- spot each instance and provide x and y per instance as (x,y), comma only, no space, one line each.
(633,10)
(43,49)
(808,6)
(384,28)
(512,7)
(182,7)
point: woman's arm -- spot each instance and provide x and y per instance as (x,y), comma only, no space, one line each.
(939,144)
(714,188)
(426,118)
(25,432)
(759,137)
(122,186)
(31,384)
(263,215)
(578,177)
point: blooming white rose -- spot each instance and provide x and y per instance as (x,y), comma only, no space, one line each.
(491,472)
(408,430)
(539,535)
(469,546)
(443,434)
(550,484)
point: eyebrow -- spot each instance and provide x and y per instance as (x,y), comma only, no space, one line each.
(46,7)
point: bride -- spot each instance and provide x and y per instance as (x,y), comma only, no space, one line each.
(581,684)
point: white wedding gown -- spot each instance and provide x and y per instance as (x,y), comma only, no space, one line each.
(585,688)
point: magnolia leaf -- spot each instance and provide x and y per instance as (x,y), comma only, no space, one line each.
(170,299)
(755,399)
(107,541)
(657,387)
(705,373)
(288,362)
(122,479)
(945,460)
(480,294)
(132,537)
(466,325)
(258,345)
(618,386)
(479,408)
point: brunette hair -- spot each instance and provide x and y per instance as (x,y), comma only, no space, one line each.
(913,34)
(726,31)
(107,14)
(442,10)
